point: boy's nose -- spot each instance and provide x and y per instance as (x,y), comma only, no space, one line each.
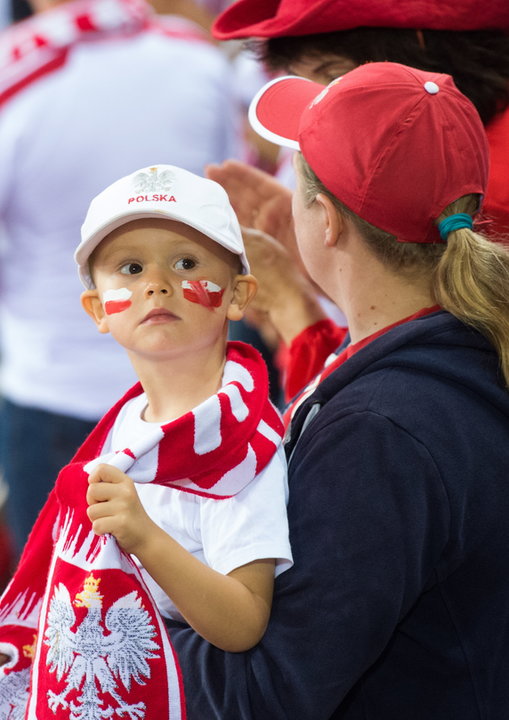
(154,288)
(158,285)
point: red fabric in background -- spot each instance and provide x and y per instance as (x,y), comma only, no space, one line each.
(496,204)
(307,353)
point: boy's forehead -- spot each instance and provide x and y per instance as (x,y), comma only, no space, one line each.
(143,231)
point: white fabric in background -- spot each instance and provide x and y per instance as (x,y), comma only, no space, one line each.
(117,105)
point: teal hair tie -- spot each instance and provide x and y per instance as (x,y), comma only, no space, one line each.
(454,222)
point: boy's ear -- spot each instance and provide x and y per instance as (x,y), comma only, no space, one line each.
(92,305)
(244,290)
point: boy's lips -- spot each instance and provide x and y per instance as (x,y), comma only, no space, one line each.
(159,315)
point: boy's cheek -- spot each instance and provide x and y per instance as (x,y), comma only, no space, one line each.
(116,301)
(203,292)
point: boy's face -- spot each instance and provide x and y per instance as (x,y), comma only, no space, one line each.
(164,289)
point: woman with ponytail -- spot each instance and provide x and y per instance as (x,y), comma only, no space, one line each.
(469,272)
(397,605)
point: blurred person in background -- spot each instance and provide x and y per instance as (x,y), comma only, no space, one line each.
(322,40)
(5,13)
(88,90)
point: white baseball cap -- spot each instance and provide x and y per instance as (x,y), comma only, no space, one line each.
(161,191)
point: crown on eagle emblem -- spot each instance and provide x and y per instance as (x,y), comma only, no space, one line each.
(153,181)
(29,650)
(90,594)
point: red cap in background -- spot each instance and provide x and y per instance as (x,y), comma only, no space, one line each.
(275,18)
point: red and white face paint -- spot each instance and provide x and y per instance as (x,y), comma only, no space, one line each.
(116,301)
(203,292)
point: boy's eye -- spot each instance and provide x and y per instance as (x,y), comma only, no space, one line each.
(185,264)
(132,268)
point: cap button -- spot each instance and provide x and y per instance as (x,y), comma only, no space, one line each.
(431,87)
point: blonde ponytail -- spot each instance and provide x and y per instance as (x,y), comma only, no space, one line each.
(471,281)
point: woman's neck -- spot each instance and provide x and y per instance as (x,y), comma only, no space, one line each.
(373,296)
(364,319)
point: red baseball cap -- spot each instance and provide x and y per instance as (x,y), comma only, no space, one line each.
(395,144)
(274,18)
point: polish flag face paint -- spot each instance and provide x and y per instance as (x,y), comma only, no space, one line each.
(203,292)
(116,301)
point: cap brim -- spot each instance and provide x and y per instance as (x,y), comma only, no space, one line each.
(244,18)
(276,110)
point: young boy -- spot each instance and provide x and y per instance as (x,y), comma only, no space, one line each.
(186,472)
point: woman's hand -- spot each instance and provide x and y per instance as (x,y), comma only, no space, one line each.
(284,294)
(259,200)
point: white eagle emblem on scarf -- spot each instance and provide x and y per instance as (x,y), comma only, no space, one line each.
(14,694)
(93,661)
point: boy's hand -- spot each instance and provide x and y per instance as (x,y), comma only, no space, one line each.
(115,508)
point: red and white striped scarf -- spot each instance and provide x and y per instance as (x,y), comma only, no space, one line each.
(40,44)
(84,635)
(216,449)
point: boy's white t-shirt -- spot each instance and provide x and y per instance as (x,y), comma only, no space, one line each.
(224,534)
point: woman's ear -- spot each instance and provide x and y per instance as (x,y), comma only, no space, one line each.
(244,290)
(333,219)
(92,305)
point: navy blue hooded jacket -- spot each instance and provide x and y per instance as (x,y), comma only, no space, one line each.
(397,607)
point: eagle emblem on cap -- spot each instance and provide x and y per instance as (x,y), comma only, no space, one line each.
(153,181)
